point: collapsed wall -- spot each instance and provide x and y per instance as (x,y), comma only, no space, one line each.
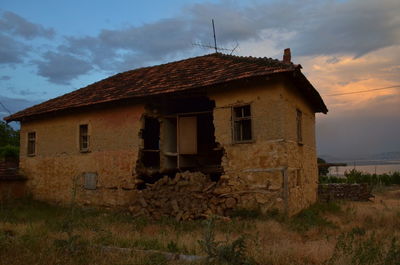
(193,195)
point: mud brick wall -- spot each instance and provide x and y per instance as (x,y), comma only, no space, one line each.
(344,191)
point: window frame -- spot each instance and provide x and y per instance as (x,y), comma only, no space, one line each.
(80,138)
(31,143)
(235,119)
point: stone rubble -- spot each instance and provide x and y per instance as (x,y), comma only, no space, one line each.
(193,195)
(187,196)
(344,191)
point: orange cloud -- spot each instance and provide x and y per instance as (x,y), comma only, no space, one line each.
(344,74)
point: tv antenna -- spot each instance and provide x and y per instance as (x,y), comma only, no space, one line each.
(215,47)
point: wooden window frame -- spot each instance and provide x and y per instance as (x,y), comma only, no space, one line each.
(235,119)
(82,141)
(31,143)
(299,126)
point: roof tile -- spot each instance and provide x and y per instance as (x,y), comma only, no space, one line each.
(177,76)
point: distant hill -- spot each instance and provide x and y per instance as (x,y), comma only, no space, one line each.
(379,158)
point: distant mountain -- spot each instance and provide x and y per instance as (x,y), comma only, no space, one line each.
(379,158)
(386,156)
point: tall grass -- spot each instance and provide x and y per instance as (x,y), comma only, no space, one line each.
(333,233)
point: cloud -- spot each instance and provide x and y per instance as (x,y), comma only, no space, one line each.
(5,77)
(350,27)
(314,28)
(61,68)
(14,105)
(12,51)
(309,27)
(16,25)
(344,73)
(16,34)
(361,131)
(358,123)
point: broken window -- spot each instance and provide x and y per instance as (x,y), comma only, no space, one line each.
(31,143)
(83,138)
(151,143)
(242,124)
(179,135)
(299,117)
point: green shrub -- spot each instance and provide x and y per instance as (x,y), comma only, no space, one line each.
(355,176)
(9,151)
(218,252)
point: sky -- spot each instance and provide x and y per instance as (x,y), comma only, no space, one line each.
(49,48)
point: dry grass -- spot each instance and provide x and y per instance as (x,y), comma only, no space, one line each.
(36,233)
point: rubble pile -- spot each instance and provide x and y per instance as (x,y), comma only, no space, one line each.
(344,191)
(187,196)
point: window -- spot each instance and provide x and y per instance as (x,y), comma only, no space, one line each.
(299,118)
(31,143)
(242,124)
(83,138)
(90,180)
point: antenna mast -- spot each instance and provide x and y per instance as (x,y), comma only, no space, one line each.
(215,47)
(215,38)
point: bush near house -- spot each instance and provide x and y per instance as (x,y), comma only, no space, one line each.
(9,141)
(355,176)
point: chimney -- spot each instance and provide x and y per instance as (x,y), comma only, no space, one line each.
(287,57)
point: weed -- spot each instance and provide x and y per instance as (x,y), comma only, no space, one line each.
(358,231)
(145,243)
(155,259)
(218,252)
(246,213)
(357,248)
(393,254)
(104,237)
(140,222)
(172,246)
(73,243)
(312,217)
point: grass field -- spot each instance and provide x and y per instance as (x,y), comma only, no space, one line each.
(33,232)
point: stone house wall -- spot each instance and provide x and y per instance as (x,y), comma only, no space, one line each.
(274,155)
(275,170)
(58,161)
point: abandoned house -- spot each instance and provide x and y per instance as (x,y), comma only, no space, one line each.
(245,122)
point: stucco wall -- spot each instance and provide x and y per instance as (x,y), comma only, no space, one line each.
(113,153)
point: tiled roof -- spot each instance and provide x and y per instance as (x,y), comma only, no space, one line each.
(192,73)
